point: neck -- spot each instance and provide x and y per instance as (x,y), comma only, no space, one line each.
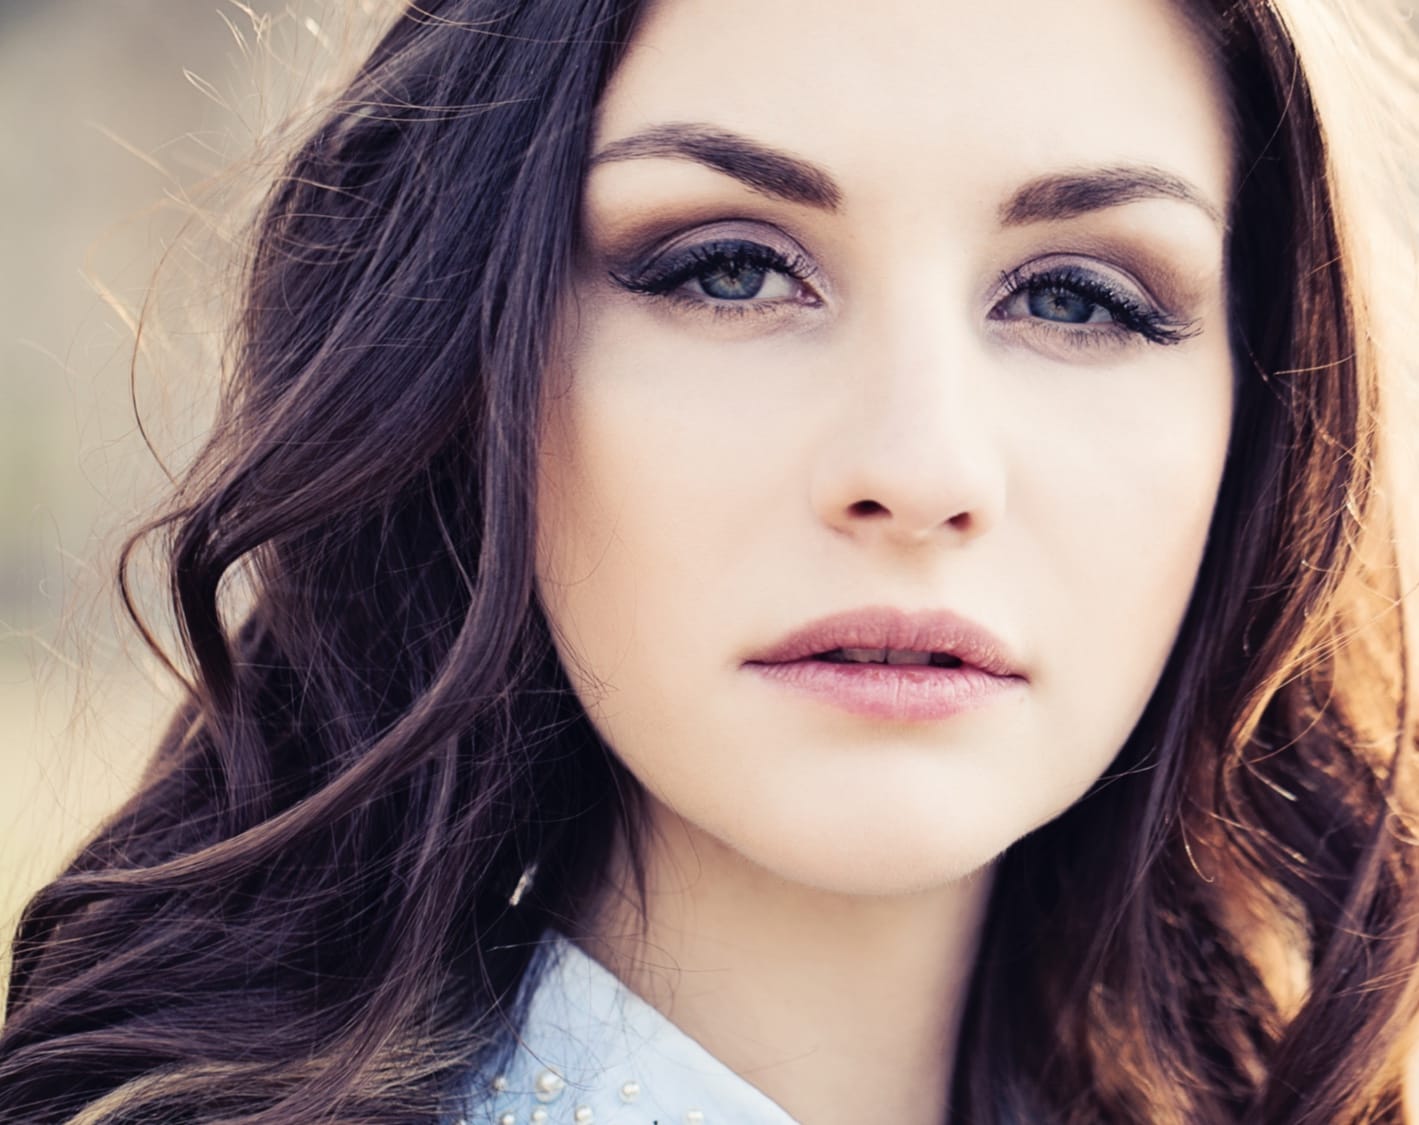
(841,1008)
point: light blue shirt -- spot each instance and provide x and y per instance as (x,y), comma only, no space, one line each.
(593,1053)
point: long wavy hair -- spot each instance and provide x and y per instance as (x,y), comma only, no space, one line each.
(303,914)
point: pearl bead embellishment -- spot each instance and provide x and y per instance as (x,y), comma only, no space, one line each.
(549,1085)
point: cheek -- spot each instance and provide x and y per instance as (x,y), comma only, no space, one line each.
(1121,508)
(577,569)
(660,462)
(620,533)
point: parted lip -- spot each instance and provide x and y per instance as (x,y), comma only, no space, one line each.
(886,627)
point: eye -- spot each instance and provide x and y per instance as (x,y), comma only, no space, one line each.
(1090,304)
(740,276)
(724,275)
(1064,306)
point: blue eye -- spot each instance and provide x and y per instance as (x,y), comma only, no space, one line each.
(722,272)
(1067,308)
(733,280)
(1075,299)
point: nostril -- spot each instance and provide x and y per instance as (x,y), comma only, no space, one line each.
(866,508)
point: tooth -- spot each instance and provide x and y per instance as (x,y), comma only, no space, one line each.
(865,655)
(901,656)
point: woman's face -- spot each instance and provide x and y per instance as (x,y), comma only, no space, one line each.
(901,324)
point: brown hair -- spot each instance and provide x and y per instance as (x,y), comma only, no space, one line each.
(303,915)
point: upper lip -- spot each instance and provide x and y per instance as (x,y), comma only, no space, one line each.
(886,627)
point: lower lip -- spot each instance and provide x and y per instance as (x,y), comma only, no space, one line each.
(901,692)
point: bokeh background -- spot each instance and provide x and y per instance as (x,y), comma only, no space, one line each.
(131,140)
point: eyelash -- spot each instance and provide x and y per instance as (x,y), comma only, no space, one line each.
(666,278)
(1129,315)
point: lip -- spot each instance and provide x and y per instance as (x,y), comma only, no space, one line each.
(884,627)
(903,692)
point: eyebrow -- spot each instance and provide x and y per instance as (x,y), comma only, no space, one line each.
(1067,194)
(776,173)
(762,168)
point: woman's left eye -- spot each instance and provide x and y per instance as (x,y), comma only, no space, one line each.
(1064,306)
(1071,299)
(723,274)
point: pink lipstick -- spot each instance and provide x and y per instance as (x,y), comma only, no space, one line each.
(886,663)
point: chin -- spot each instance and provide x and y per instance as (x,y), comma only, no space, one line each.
(865,853)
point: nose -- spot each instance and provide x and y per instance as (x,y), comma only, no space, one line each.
(914,453)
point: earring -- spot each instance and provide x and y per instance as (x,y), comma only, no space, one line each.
(524,884)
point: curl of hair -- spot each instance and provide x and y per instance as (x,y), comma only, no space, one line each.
(303,916)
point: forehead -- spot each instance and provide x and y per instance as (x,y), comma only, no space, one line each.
(959,94)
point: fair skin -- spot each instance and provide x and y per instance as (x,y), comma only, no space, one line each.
(975,360)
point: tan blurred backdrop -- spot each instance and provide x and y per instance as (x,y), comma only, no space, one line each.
(119,117)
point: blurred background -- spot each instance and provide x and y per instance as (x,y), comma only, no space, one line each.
(127,123)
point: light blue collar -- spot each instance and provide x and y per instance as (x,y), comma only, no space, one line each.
(593,1053)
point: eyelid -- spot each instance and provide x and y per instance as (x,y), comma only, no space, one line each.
(676,267)
(1047,263)
(643,258)
(1135,314)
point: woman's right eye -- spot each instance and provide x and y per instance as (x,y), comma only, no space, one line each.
(725,275)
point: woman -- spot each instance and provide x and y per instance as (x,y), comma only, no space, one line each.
(813,562)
